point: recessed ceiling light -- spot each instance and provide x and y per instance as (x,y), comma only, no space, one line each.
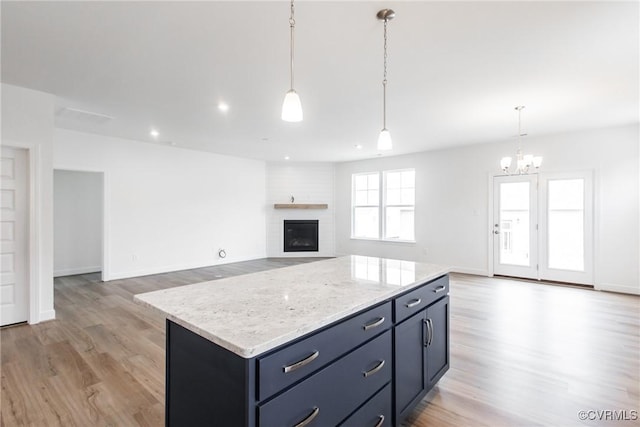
(358,146)
(154,133)
(287,157)
(223,106)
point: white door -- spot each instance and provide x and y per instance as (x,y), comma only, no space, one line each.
(515,223)
(566,227)
(543,227)
(13,237)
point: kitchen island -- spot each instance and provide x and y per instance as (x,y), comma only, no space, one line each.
(347,341)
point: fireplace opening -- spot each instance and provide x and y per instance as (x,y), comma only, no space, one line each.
(300,235)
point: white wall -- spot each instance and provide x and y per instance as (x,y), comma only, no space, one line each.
(168,208)
(308,183)
(77,222)
(452,195)
(27,122)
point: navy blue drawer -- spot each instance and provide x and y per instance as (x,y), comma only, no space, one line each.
(290,364)
(329,396)
(414,301)
(375,413)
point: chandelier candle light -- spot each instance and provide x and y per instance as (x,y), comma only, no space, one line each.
(523,162)
(291,107)
(384,139)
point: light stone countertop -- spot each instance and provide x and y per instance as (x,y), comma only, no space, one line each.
(253,313)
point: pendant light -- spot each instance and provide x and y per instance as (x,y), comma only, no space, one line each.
(291,107)
(384,139)
(523,162)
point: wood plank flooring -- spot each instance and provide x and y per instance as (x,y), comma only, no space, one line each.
(522,354)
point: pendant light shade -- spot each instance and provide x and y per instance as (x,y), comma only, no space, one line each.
(291,107)
(384,139)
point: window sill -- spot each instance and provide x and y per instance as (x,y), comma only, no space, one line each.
(410,242)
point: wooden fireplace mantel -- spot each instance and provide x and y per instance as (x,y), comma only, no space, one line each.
(300,206)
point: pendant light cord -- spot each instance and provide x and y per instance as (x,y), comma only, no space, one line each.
(384,80)
(292,25)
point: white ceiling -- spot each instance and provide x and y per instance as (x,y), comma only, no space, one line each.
(456,71)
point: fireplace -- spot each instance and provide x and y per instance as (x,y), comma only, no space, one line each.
(300,235)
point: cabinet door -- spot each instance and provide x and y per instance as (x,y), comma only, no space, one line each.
(437,341)
(410,363)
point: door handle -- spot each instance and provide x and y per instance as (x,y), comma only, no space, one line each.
(496,232)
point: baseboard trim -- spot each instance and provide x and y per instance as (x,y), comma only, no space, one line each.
(151,271)
(46,315)
(74,271)
(613,287)
(473,271)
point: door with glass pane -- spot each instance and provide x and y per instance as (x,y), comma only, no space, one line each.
(566,227)
(543,227)
(515,242)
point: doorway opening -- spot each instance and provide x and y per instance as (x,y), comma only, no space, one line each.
(78,223)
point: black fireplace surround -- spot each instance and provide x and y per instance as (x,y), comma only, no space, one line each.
(300,235)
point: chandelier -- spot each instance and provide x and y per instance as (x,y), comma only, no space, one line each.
(524,162)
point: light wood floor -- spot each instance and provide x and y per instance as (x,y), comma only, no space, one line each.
(522,354)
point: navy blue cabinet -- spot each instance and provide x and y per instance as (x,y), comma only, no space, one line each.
(369,369)
(421,354)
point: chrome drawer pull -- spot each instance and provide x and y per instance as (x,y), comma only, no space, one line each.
(413,303)
(300,364)
(309,418)
(439,289)
(380,421)
(374,370)
(372,325)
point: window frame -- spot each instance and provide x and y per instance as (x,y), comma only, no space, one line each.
(381,206)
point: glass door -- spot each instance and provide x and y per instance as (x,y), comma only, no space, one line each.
(566,225)
(543,227)
(515,223)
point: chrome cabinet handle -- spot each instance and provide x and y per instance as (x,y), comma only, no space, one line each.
(374,324)
(300,364)
(380,421)
(309,418)
(425,322)
(439,289)
(374,370)
(413,303)
(430,323)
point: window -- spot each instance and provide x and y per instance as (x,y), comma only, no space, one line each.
(366,205)
(388,213)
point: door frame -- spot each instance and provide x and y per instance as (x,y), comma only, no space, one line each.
(34,229)
(590,201)
(105,273)
(534,242)
(585,277)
